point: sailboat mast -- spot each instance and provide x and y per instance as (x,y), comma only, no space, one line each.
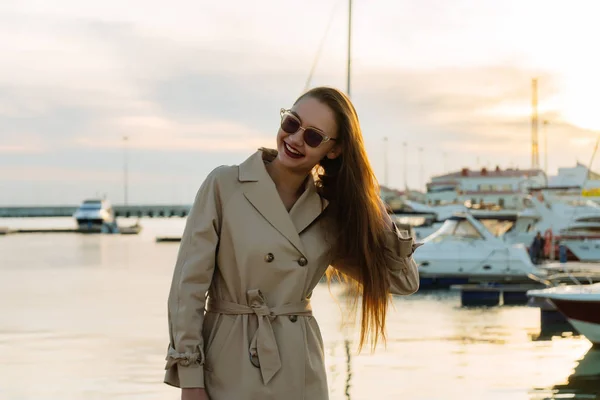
(348,73)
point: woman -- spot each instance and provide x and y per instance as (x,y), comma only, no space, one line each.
(259,238)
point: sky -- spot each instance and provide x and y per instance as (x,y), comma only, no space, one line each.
(197,84)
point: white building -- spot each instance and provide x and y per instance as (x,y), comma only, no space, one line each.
(574,184)
(504,188)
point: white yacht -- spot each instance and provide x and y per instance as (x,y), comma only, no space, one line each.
(575,227)
(93,214)
(580,304)
(464,248)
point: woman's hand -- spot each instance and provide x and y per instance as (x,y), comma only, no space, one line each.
(194,394)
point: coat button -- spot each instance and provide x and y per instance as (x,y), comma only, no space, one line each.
(293,318)
(302,261)
(254,358)
(269,257)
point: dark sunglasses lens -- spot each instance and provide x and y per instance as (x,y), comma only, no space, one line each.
(290,124)
(312,138)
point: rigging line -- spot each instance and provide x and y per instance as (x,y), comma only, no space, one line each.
(320,49)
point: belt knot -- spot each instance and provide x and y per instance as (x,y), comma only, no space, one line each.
(263,349)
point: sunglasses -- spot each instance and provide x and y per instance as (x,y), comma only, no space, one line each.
(292,124)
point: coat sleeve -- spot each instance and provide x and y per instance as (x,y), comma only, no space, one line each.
(402,270)
(192,277)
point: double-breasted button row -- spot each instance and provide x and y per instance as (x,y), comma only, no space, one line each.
(302,261)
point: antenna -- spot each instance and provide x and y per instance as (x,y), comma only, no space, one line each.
(545,125)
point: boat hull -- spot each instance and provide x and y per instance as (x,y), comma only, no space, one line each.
(584,250)
(583,315)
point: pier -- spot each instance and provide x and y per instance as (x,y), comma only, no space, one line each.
(490,295)
(123,230)
(150,211)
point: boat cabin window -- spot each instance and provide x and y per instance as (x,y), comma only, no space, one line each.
(466,230)
(414,220)
(457,229)
(497,227)
(91,205)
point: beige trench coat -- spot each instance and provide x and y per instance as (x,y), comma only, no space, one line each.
(255,337)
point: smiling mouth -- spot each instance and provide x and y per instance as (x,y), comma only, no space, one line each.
(290,151)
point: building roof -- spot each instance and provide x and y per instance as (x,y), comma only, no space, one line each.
(492,173)
(390,190)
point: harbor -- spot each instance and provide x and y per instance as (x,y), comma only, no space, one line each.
(119,276)
(491,293)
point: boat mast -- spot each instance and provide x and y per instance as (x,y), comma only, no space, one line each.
(348,72)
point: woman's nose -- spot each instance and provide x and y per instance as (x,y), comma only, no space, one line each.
(298,137)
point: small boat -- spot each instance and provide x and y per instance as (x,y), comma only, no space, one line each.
(464,249)
(131,230)
(166,239)
(580,304)
(95,215)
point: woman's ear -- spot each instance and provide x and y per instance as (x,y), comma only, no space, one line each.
(334,152)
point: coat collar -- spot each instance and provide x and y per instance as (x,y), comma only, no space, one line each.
(261,192)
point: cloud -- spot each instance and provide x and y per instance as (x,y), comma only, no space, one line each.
(141,86)
(165,135)
(188,89)
(77,176)
(20,149)
(15,143)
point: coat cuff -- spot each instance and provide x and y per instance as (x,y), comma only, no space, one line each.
(185,377)
(400,243)
(185,370)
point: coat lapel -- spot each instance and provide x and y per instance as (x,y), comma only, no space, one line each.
(308,207)
(261,192)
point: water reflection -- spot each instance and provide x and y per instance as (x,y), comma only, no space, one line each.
(348,368)
(96,303)
(548,331)
(583,383)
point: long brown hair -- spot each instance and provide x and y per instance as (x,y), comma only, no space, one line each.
(350,186)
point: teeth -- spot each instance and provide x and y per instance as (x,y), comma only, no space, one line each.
(292,150)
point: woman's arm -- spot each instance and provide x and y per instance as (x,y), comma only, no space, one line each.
(402,269)
(191,279)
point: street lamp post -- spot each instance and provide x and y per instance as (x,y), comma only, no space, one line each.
(405,167)
(385,161)
(421,167)
(125,171)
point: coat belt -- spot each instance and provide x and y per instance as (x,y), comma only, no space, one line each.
(263,344)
